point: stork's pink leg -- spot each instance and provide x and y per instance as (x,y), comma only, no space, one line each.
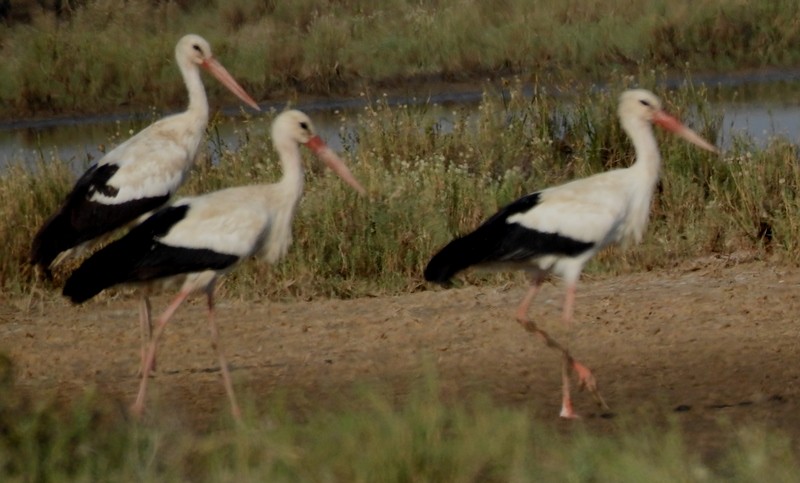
(146,331)
(138,406)
(223,363)
(567,411)
(569,303)
(536,285)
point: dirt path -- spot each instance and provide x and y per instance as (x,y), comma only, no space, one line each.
(714,340)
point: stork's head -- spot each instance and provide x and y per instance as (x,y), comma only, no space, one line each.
(640,105)
(193,51)
(294,126)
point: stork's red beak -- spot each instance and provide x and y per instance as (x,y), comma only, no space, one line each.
(221,73)
(326,154)
(672,124)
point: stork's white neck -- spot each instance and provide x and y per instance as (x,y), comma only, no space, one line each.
(292,164)
(198,102)
(648,158)
(645,175)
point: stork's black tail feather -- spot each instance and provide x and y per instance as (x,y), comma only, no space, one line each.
(60,232)
(456,256)
(104,269)
(56,235)
(482,244)
(478,246)
(119,261)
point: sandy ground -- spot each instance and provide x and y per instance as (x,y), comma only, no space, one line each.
(714,340)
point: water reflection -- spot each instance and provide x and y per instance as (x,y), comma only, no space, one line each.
(759,122)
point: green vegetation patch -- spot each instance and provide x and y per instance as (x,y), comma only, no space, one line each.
(424,437)
(428,182)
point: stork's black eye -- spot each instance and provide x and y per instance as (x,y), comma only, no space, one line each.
(197,48)
(644,103)
(304,125)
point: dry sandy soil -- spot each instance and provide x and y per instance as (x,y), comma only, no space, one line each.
(713,340)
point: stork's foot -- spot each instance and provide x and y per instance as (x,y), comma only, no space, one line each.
(586,380)
(567,412)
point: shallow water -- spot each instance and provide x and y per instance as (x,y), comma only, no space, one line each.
(757,107)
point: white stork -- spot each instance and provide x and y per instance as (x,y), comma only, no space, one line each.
(201,238)
(140,174)
(558,229)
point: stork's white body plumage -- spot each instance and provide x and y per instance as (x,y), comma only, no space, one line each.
(221,222)
(558,229)
(605,209)
(156,160)
(201,238)
(140,174)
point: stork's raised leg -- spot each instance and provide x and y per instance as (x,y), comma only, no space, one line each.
(223,363)
(585,377)
(138,405)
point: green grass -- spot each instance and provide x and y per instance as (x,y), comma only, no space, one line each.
(81,61)
(422,437)
(426,186)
